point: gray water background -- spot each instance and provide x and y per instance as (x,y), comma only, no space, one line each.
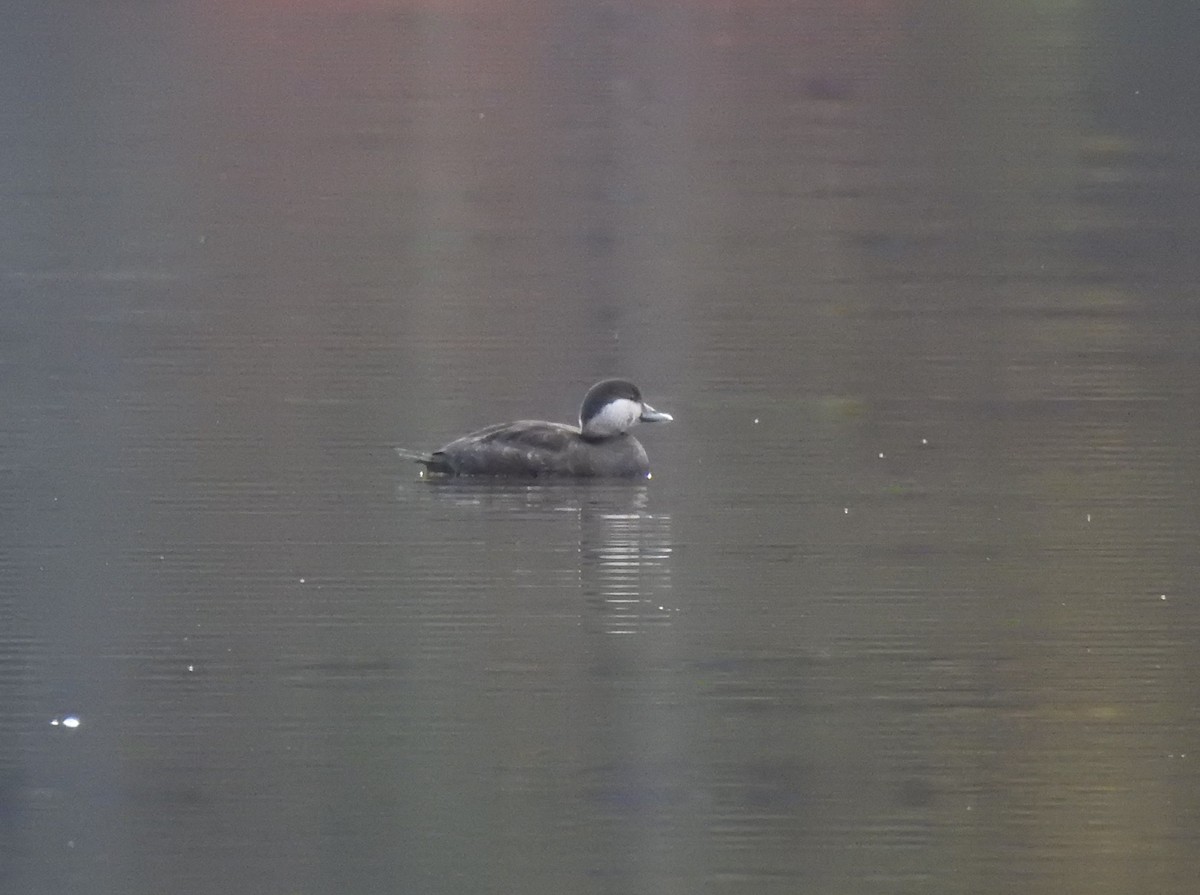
(911,603)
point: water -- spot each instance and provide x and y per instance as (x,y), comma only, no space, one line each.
(910,603)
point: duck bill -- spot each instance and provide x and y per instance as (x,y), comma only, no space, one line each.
(650,415)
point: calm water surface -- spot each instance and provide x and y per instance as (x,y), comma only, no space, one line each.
(911,603)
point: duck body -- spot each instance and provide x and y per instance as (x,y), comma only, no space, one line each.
(531,448)
(599,447)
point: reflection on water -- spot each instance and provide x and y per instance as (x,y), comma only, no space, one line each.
(626,566)
(600,542)
(555,603)
(910,603)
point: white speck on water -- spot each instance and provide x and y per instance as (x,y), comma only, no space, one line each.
(1162,596)
(301,580)
(68,721)
(924,441)
(756,421)
(846,511)
(881,455)
(1089,517)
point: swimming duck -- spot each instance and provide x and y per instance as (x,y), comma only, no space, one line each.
(600,446)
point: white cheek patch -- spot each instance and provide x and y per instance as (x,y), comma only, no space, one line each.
(616,417)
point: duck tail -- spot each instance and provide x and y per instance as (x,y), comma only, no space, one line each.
(415,456)
(432,462)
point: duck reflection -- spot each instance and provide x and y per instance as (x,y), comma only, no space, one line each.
(625,565)
(605,539)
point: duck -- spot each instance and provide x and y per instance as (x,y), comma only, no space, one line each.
(601,446)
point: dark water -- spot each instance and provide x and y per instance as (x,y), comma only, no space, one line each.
(911,604)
